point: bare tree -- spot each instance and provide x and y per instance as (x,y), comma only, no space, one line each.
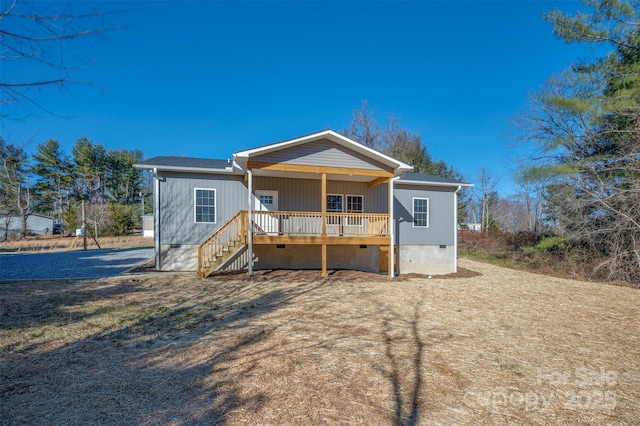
(364,127)
(98,216)
(487,196)
(40,48)
(530,194)
(14,184)
(586,124)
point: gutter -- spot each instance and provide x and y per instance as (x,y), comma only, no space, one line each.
(250,220)
(455,228)
(446,184)
(156,215)
(183,169)
(392,237)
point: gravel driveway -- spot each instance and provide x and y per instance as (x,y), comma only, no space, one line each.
(71,264)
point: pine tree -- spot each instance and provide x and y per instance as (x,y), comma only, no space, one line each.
(56,176)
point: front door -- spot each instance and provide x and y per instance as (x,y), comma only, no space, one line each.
(266,201)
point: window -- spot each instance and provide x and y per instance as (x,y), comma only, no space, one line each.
(421,212)
(354,205)
(205,205)
(334,205)
(266,200)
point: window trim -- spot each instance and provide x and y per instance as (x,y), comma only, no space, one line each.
(346,210)
(326,207)
(195,205)
(264,196)
(328,218)
(413,209)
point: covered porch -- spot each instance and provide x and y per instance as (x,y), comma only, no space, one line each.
(318,190)
(325,227)
(285,228)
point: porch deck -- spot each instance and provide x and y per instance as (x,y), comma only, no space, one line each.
(292,227)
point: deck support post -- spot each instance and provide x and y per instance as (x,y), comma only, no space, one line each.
(324,260)
(323,210)
(250,220)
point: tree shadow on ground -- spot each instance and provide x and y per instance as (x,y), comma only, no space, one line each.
(144,368)
(405,348)
(41,303)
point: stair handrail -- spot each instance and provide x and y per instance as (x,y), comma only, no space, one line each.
(235,228)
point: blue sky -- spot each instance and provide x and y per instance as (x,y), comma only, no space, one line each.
(208,78)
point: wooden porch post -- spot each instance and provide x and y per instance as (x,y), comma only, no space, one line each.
(323,205)
(323,216)
(250,220)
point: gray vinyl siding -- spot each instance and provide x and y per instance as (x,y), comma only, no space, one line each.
(321,153)
(305,194)
(177,220)
(441,215)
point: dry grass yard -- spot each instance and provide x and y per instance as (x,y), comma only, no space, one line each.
(498,347)
(55,243)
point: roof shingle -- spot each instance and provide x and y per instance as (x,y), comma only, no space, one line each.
(186,162)
(423,177)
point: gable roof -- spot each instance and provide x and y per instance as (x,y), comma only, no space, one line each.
(241,158)
(432,180)
(175,163)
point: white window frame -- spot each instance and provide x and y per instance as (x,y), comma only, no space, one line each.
(334,195)
(195,205)
(326,207)
(346,209)
(413,208)
(261,196)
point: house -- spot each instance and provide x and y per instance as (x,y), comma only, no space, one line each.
(320,201)
(37,224)
(147,225)
(474,226)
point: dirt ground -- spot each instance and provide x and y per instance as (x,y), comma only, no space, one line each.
(490,346)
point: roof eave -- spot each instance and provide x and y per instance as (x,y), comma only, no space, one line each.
(403,168)
(430,183)
(183,169)
(399,167)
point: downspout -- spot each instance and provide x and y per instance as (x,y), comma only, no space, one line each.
(250,220)
(392,259)
(156,215)
(455,229)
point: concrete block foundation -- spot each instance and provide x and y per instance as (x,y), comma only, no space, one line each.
(295,256)
(422,259)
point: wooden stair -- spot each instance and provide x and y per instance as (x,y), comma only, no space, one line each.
(221,248)
(223,258)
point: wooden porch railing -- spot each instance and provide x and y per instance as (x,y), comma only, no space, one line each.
(235,230)
(310,223)
(286,223)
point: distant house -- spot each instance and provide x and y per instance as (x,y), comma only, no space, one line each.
(320,201)
(474,226)
(36,224)
(147,225)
